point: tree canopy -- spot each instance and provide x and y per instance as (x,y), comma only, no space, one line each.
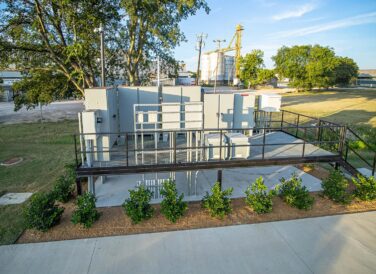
(309,66)
(250,65)
(56,37)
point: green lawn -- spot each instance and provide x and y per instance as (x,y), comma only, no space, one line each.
(45,148)
(352,106)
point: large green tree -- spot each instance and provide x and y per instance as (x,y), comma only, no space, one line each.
(345,71)
(57,36)
(250,65)
(313,66)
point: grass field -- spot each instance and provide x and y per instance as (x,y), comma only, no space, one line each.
(47,147)
(351,106)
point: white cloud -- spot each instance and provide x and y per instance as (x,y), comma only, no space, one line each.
(298,12)
(361,19)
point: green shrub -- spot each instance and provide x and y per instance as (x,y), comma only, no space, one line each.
(357,145)
(218,203)
(42,213)
(335,187)
(138,207)
(365,187)
(172,206)
(294,194)
(63,189)
(258,197)
(86,213)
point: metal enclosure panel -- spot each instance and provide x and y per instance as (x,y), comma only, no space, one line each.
(226,103)
(170,116)
(128,96)
(244,106)
(177,94)
(270,102)
(193,115)
(211,102)
(218,110)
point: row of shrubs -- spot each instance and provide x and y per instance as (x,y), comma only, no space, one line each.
(43,211)
(258,197)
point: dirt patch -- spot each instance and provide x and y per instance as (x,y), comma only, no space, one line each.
(113,221)
(314,170)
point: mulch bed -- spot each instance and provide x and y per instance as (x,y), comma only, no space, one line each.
(113,221)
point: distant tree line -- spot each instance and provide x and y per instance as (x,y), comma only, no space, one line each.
(305,66)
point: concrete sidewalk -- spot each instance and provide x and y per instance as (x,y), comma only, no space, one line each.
(337,244)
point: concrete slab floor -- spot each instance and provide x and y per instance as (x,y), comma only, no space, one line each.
(115,188)
(334,244)
(14,198)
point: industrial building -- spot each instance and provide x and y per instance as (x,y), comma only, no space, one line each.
(131,136)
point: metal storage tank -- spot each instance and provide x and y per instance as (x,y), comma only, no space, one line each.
(209,67)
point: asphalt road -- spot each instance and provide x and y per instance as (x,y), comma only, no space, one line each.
(53,112)
(336,244)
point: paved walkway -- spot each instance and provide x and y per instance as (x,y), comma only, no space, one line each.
(338,244)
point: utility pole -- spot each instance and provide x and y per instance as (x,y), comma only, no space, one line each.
(103,75)
(200,43)
(218,41)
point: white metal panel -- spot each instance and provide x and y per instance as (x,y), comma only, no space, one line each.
(270,102)
(244,105)
(128,96)
(170,116)
(193,115)
(226,102)
(211,110)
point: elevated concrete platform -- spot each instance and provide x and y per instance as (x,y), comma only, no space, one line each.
(194,184)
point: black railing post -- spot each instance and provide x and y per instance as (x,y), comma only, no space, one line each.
(283,112)
(220,145)
(318,130)
(75,149)
(127,148)
(304,140)
(79,186)
(219,178)
(347,151)
(297,126)
(263,144)
(174,147)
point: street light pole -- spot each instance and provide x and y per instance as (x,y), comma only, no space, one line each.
(103,76)
(103,73)
(218,41)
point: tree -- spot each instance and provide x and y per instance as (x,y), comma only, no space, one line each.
(313,66)
(291,63)
(320,67)
(58,36)
(265,76)
(345,71)
(55,36)
(250,65)
(40,87)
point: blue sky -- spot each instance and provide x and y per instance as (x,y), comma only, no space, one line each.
(348,26)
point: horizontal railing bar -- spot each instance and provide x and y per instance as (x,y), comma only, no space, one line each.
(212,130)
